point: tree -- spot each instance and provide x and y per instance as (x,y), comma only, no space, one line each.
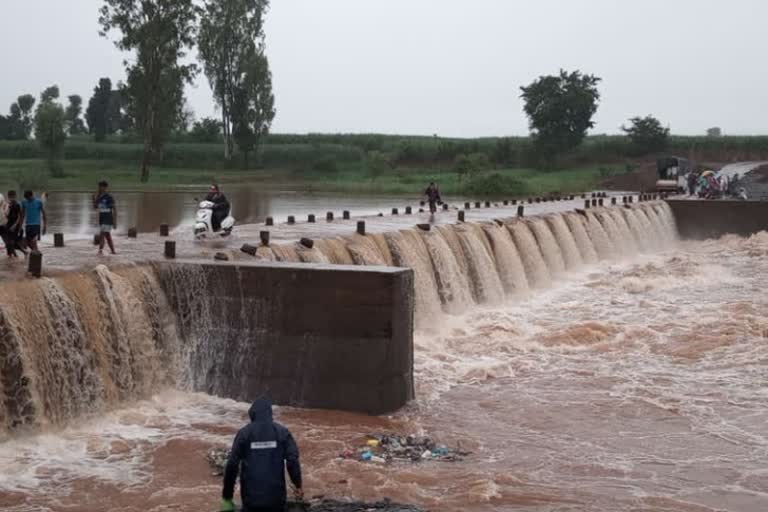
(75,123)
(159,32)
(560,110)
(647,135)
(206,130)
(231,38)
(377,164)
(462,166)
(19,122)
(253,108)
(50,128)
(715,131)
(98,107)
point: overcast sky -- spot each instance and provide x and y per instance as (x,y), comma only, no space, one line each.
(446,67)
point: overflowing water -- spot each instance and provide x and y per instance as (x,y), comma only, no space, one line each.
(631,379)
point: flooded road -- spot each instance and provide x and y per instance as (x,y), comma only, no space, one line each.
(72,212)
(633,384)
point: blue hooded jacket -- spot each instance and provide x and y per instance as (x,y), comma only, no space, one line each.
(261,452)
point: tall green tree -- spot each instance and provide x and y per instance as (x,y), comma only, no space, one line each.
(560,110)
(647,135)
(20,120)
(75,124)
(254,105)
(230,40)
(97,112)
(50,128)
(159,32)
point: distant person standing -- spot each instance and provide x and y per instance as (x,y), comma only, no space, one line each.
(105,204)
(692,179)
(33,218)
(13,231)
(433,197)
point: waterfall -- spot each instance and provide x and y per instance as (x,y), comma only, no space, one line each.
(535,267)
(409,251)
(285,252)
(627,238)
(73,345)
(548,245)
(637,229)
(482,269)
(335,251)
(600,239)
(565,240)
(362,254)
(313,255)
(508,261)
(576,223)
(452,283)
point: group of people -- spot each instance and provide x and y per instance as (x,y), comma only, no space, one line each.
(707,185)
(21,222)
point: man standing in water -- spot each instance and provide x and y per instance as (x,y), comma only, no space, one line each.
(105,204)
(33,219)
(261,452)
(433,197)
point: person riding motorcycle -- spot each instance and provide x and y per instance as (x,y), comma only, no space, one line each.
(221,206)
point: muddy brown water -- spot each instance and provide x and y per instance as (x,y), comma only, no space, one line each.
(634,384)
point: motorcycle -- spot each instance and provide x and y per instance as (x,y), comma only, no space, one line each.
(204,221)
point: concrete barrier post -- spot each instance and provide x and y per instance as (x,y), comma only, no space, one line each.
(613,200)
(311,218)
(164,230)
(170,249)
(408,210)
(394,211)
(249,249)
(586,204)
(269,221)
(506,202)
(132,233)
(487,204)
(477,204)
(361,227)
(520,211)
(600,202)
(461,215)
(35,266)
(445,207)
(329,216)
(58,239)
(345,215)
(264,237)
(467,206)
(307,242)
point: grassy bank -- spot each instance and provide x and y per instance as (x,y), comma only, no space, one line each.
(352,178)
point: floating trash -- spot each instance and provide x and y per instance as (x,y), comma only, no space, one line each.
(384,448)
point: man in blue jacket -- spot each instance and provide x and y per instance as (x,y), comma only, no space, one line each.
(261,453)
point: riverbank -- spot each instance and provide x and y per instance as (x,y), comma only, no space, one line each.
(351,178)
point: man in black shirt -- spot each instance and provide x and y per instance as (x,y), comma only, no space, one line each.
(11,232)
(105,203)
(221,206)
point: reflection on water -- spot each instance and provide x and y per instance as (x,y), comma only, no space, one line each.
(72,212)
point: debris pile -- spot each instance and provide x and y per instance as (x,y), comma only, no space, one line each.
(358,506)
(385,448)
(217,459)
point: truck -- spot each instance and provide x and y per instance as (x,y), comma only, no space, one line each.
(671,173)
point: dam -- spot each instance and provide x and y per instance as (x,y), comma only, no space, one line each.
(590,359)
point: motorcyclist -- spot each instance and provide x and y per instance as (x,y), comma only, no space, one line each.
(262,451)
(221,206)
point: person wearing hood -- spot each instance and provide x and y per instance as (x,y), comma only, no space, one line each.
(261,452)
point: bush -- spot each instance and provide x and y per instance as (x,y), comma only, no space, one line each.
(480,162)
(326,165)
(36,179)
(494,185)
(462,166)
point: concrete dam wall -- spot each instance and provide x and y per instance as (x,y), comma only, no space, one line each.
(311,336)
(699,220)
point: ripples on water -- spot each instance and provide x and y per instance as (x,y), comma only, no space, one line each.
(634,385)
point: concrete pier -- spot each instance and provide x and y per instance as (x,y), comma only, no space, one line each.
(320,336)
